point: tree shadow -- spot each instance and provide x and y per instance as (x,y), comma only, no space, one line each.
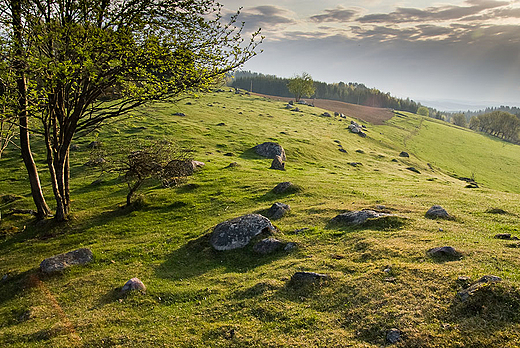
(250,154)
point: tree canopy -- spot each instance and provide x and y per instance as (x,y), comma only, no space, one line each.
(301,86)
(87,61)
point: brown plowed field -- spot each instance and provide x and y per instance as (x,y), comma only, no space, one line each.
(364,113)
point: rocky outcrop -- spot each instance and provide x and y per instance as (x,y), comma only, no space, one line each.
(62,261)
(270,150)
(237,233)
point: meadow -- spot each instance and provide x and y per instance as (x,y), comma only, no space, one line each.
(381,276)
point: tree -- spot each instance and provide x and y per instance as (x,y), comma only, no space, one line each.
(301,86)
(88,61)
(474,123)
(423,110)
(459,119)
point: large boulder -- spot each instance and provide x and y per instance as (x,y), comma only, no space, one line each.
(270,150)
(437,212)
(237,233)
(62,261)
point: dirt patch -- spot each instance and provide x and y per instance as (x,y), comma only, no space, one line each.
(361,112)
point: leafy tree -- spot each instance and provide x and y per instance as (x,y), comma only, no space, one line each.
(474,123)
(301,86)
(423,110)
(88,61)
(459,120)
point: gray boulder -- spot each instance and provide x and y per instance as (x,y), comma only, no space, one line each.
(445,252)
(278,210)
(268,246)
(278,163)
(60,262)
(270,150)
(132,285)
(437,212)
(355,218)
(237,233)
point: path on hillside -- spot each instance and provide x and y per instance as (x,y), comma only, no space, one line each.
(364,113)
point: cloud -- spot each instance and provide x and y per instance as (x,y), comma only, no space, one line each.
(339,14)
(440,13)
(266,17)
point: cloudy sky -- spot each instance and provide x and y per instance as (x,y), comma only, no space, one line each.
(467,50)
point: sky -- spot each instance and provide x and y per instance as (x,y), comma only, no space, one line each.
(466,51)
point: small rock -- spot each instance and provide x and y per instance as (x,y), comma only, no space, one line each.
(229,154)
(179,114)
(360,151)
(133,284)
(445,252)
(267,246)
(221,124)
(503,236)
(278,163)
(278,210)
(326,114)
(290,246)
(393,336)
(303,279)
(342,150)
(437,212)
(394,160)
(233,165)
(404,154)
(337,141)
(62,261)
(355,164)
(413,169)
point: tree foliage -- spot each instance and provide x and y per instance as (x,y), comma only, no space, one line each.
(459,120)
(301,86)
(423,110)
(88,61)
(500,124)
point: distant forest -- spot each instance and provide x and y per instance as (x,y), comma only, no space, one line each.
(353,93)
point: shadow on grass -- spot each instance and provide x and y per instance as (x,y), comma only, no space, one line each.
(383,223)
(250,154)
(198,257)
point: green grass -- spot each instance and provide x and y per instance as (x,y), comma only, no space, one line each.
(198,297)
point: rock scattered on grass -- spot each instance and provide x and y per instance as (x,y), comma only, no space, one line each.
(404,154)
(497,211)
(278,163)
(268,246)
(270,150)
(445,252)
(506,236)
(356,218)
(342,150)
(286,187)
(94,145)
(278,210)
(60,262)
(304,279)
(233,165)
(413,169)
(133,285)
(437,212)
(393,336)
(355,164)
(238,232)
(465,294)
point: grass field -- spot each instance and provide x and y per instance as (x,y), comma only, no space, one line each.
(198,297)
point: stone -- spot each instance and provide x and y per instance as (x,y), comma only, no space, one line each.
(267,246)
(342,150)
(445,252)
(221,124)
(179,114)
(229,154)
(132,285)
(278,163)
(326,114)
(404,154)
(336,114)
(304,279)
(360,151)
(290,246)
(503,236)
(362,134)
(60,262)
(233,165)
(465,294)
(413,169)
(94,145)
(437,212)
(270,150)
(393,336)
(285,187)
(356,218)
(278,210)
(238,232)
(355,164)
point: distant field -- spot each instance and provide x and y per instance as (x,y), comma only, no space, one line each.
(361,112)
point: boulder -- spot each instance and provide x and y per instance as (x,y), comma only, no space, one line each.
(487,279)
(404,154)
(413,169)
(304,279)
(237,233)
(437,212)
(268,246)
(356,218)
(180,114)
(278,210)
(278,163)
(60,262)
(270,150)
(286,187)
(445,252)
(326,114)
(132,285)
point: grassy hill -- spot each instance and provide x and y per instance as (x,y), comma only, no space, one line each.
(198,297)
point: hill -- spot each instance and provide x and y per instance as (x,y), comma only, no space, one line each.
(381,277)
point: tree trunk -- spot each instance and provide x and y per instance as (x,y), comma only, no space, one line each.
(36,190)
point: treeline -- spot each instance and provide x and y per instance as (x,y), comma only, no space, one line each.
(512,110)
(354,93)
(499,124)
